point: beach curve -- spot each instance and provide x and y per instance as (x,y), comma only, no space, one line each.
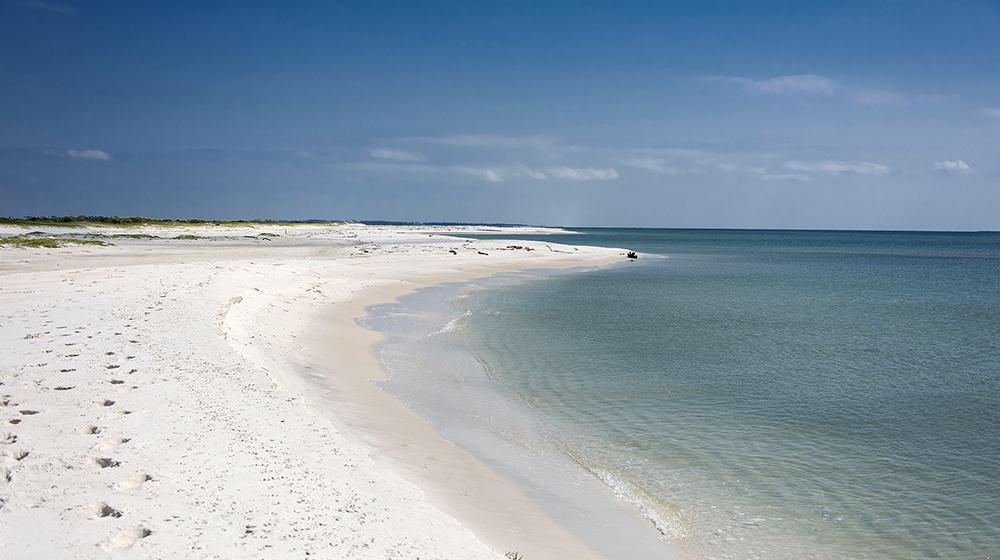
(153,438)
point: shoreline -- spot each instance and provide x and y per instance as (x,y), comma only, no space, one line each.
(451,478)
(339,374)
(220,438)
(509,436)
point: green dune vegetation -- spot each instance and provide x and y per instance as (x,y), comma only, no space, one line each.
(90,237)
(30,240)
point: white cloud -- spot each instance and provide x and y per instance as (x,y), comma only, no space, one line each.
(497,159)
(785,177)
(93,155)
(838,167)
(583,173)
(500,174)
(397,155)
(819,85)
(654,164)
(957,166)
(485,173)
(493,174)
(792,84)
(992,112)
(524,171)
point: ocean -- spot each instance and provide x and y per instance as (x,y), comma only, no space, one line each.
(745,394)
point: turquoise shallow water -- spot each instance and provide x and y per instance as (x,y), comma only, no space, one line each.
(769,394)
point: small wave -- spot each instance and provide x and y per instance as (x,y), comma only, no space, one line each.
(669,524)
(456,324)
(670,528)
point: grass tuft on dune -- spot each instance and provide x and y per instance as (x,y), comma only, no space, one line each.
(33,241)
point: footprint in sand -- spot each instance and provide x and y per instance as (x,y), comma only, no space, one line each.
(126,539)
(108,445)
(106,402)
(133,483)
(104,510)
(106,462)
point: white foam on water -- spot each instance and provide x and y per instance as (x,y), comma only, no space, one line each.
(456,324)
(670,526)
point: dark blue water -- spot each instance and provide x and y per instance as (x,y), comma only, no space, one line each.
(772,394)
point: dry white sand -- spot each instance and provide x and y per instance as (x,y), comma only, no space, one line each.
(212,398)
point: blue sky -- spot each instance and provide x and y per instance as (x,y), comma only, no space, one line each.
(870,114)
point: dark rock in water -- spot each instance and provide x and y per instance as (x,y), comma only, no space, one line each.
(452,251)
(632,255)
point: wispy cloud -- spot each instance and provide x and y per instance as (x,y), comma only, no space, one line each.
(649,163)
(992,112)
(765,176)
(484,141)
(494,158)
(485,173)
(397,155)
(91,154)
(555,159)
(583,173)
(781,85)
(839,167)
(525,171)
(957,166)
(492,174)
(52,7)
(818,85)
(499,159)
(695,161)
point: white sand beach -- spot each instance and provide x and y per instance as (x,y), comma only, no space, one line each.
(213,398)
